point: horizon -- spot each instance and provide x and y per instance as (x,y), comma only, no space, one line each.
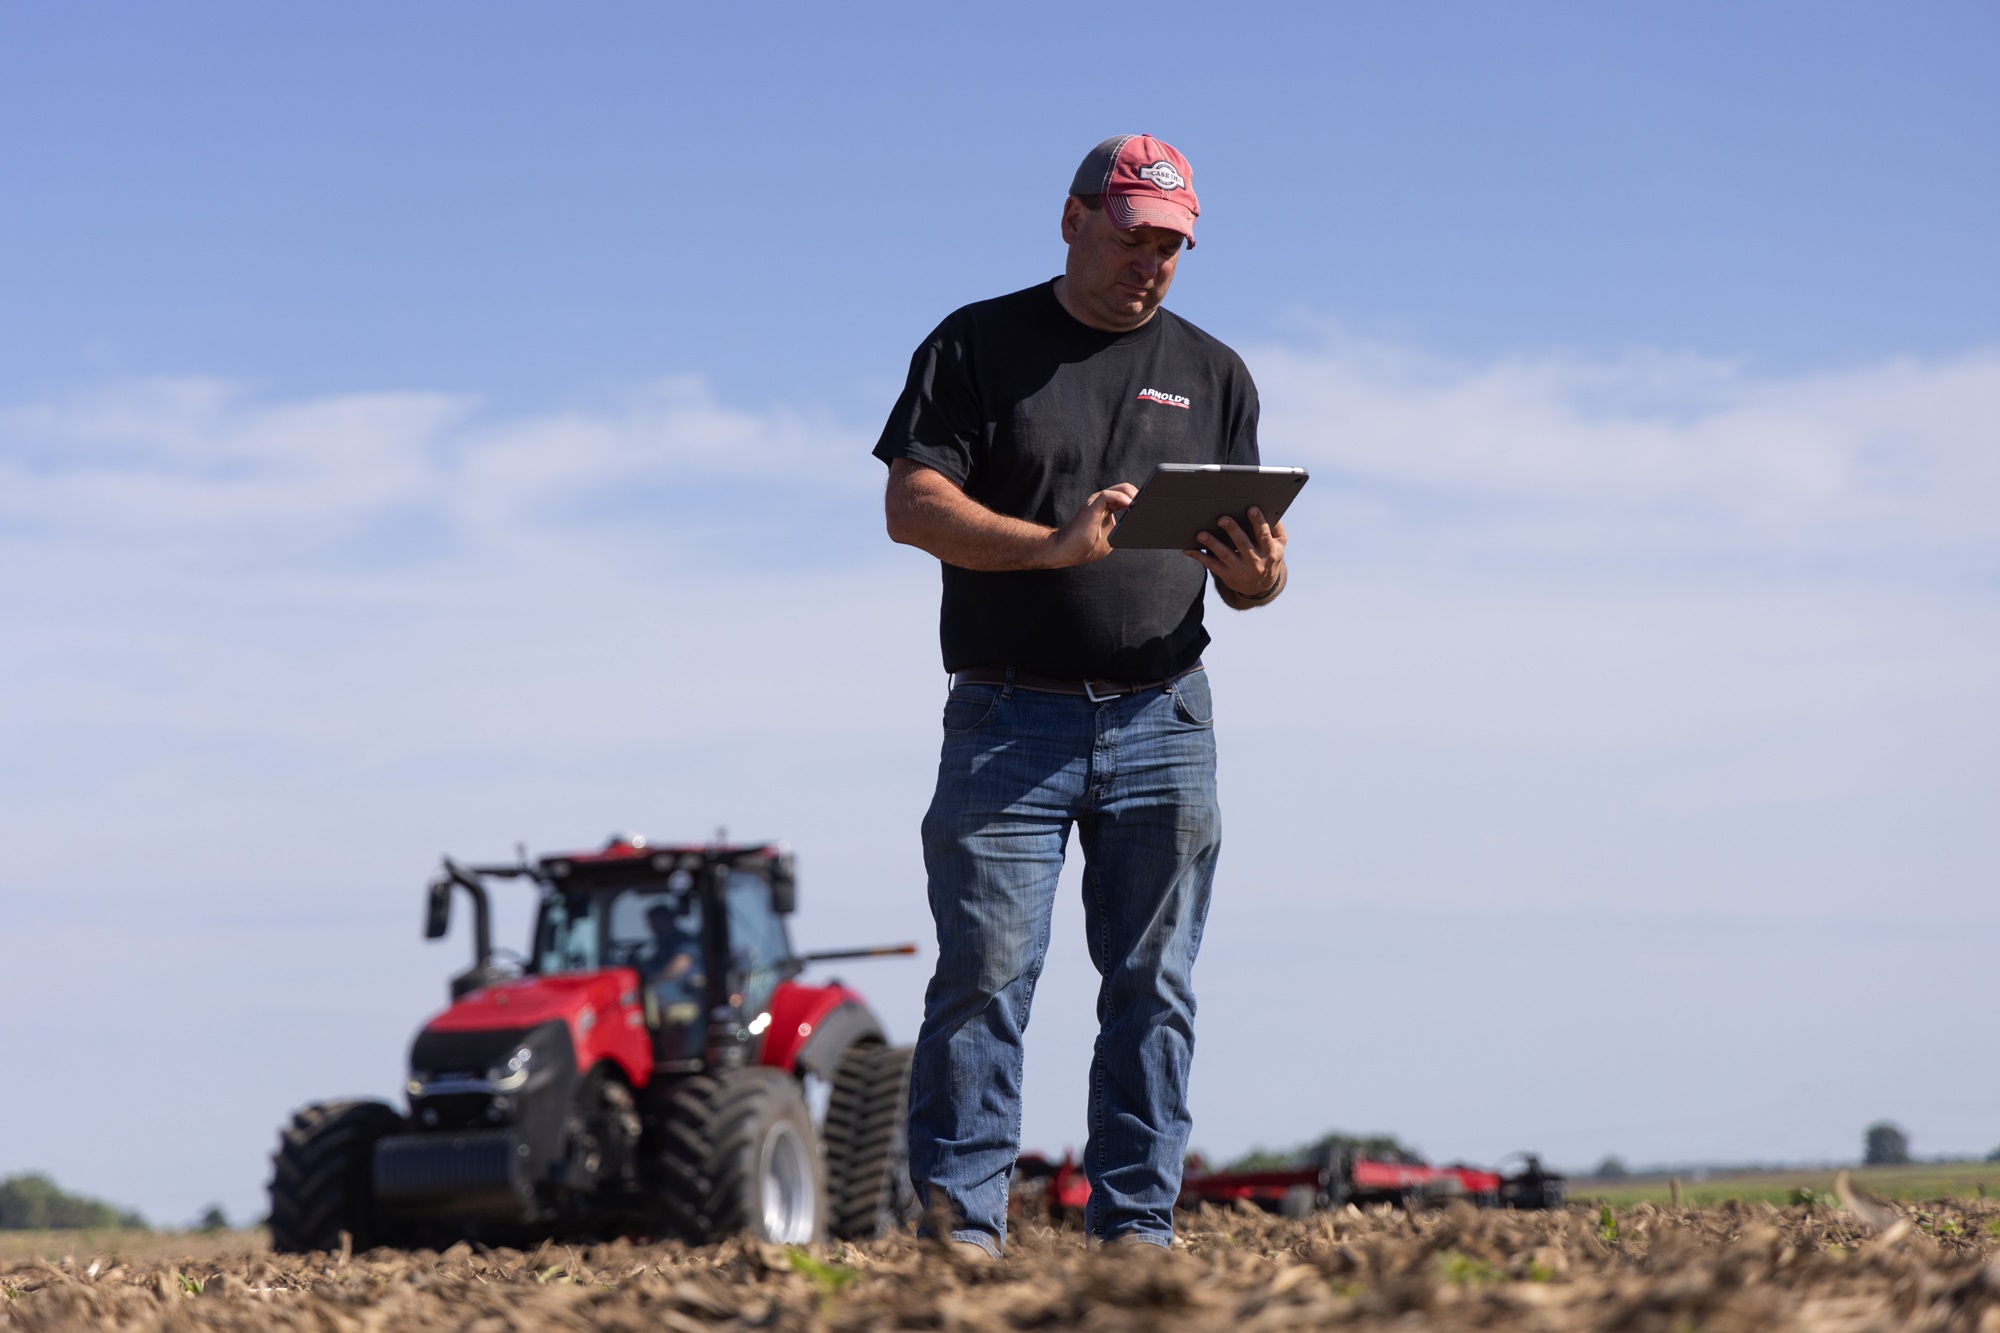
(1696,1172)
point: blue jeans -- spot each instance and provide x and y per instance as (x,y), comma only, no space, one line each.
(1135,775)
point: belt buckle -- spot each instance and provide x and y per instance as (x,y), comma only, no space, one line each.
(1092,695)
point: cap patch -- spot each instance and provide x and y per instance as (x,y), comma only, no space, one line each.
(1162,174)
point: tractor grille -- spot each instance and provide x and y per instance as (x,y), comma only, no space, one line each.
(478,1174)
(468,1053)
(456,1110)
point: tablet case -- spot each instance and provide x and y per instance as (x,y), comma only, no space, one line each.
(1182,499)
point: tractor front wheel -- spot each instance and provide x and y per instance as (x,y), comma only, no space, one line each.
(737,1153)
(323,1177)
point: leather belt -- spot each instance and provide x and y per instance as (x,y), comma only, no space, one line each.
(1097,691)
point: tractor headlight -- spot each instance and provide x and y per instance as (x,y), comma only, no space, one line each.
(507,1077)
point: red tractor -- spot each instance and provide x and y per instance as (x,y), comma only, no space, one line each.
(654,1065)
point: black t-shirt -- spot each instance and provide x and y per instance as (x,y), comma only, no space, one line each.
(1031,412)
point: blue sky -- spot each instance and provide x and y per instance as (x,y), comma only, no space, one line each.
(536,207)
(425,430)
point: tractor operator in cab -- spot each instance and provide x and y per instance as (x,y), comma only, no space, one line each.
(670,965)
(1078,698)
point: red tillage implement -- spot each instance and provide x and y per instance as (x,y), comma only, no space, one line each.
(1334,1180)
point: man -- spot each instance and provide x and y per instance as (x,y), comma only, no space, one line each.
(1078,697)
(671,963)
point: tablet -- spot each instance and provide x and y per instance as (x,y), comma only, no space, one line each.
(1182,499)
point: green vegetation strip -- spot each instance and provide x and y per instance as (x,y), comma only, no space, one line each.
(1913,1183)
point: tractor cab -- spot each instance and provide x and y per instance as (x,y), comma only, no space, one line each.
(699,930)
(702,928)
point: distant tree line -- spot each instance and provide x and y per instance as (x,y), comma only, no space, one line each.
(1382,1147)
(1883,1143)
(33,1202)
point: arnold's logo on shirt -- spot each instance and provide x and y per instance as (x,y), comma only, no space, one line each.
(1170,399)
(1162,174)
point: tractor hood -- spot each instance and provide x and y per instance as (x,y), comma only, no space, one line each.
(601,1011)
(492,1084)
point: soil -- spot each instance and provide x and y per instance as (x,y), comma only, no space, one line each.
(1733,1267)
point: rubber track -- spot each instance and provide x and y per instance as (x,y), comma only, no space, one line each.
(322,1173)
(706,1165)
(864,1135)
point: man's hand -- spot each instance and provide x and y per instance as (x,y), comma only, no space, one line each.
(1249,567)
(1087,535)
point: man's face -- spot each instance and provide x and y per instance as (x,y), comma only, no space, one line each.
(1114,279)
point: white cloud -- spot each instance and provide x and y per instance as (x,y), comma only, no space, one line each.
(1654,457)
(1650,457)
(162,462)
(1604,645)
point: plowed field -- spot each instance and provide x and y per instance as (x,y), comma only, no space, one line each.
(1738,1267)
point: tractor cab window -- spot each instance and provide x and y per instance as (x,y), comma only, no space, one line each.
(757,942)
(658,935)
(566,935)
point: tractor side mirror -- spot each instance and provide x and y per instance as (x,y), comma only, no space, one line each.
(784,884)
(437,913)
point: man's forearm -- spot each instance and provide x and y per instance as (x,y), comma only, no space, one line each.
(926,511)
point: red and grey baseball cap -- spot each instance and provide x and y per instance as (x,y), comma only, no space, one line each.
(1145,183)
